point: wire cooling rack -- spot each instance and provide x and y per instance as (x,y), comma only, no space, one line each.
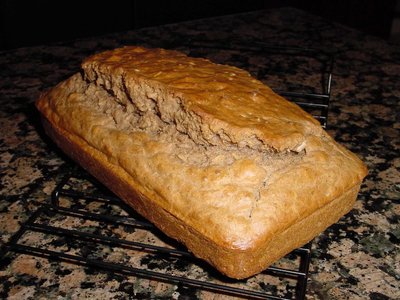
(79,197)
(102,223)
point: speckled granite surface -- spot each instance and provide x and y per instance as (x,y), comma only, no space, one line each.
(357,258)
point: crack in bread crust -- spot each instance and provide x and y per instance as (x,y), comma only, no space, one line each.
(209,98)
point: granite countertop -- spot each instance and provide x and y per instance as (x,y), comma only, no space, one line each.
(357,258)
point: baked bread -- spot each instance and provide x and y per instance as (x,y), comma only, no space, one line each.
(210,155)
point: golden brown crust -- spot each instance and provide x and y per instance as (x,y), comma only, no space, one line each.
(234,263)
(205,176)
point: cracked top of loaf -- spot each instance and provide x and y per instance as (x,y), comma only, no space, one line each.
(232,104)
(208,143)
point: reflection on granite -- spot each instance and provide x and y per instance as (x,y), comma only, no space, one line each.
(357,258)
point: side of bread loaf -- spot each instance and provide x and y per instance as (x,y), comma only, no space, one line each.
(210,155)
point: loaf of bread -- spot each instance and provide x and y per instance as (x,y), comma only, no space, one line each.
(210,155)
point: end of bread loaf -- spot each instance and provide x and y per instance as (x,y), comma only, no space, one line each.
(208,154)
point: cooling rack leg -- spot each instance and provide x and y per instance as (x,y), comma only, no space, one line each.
(304,267)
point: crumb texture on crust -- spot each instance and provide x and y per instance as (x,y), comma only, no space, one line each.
(196,144)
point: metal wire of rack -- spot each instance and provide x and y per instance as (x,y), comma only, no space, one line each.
(217,284)
(222,285)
